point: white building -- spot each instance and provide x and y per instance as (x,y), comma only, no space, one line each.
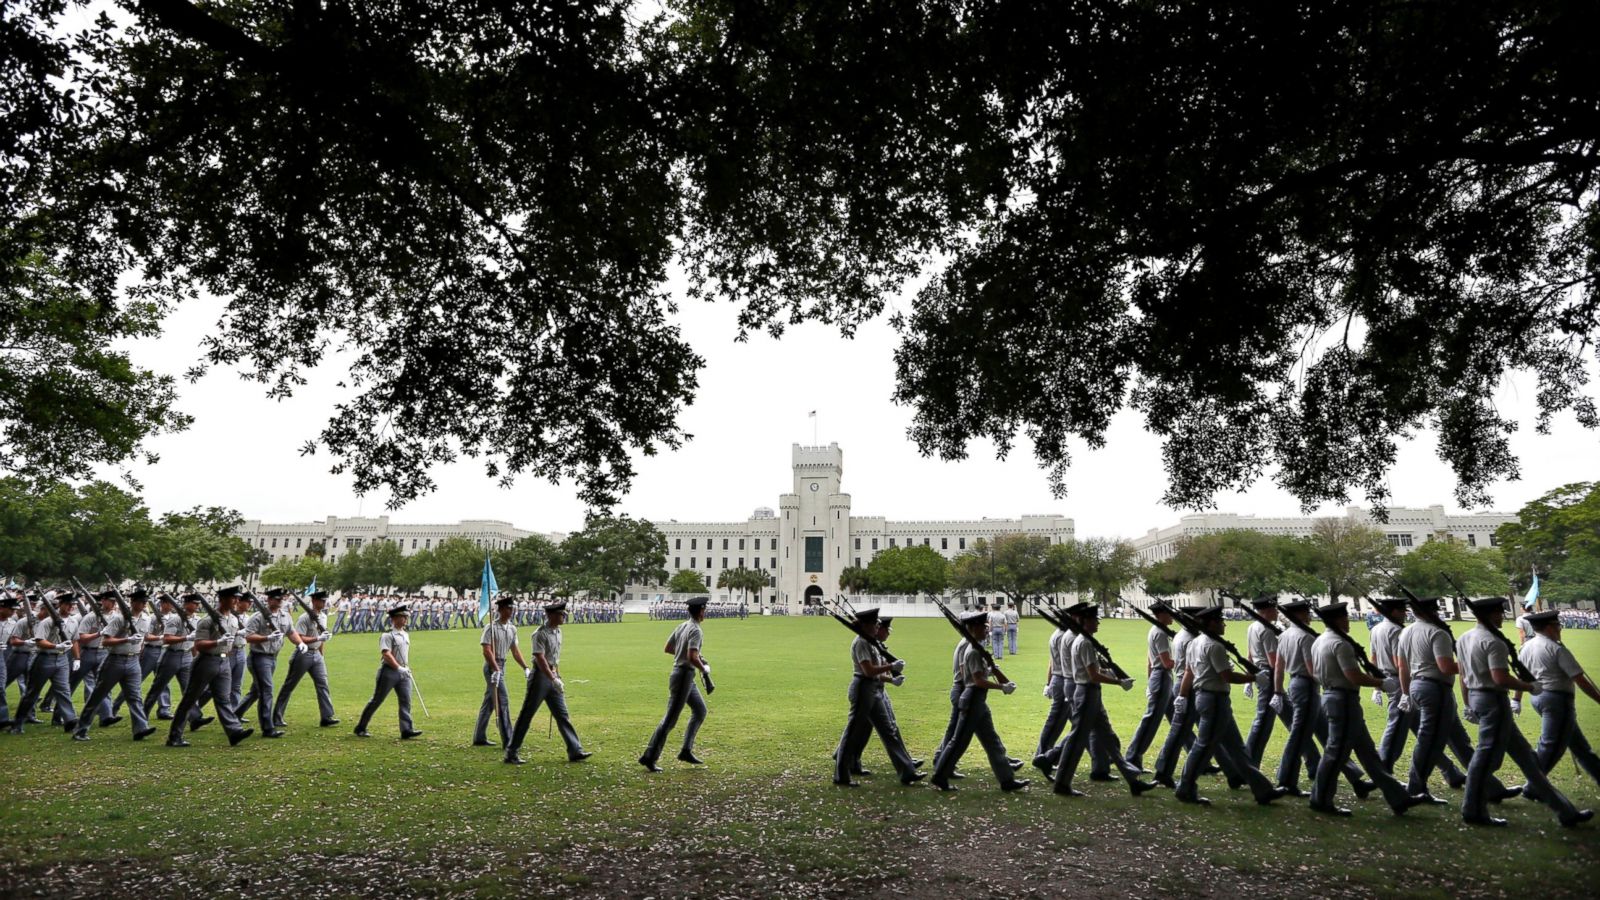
(1406,529)
(813,536)
(339,536)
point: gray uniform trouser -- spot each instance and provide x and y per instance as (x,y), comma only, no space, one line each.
(1089,724)
(973,720)
(173,664)
(1217,734)
(209,679)
(888,729)
(1055,721)
(389,679)
(1100,762)
(262,668)
(541,690)
(1438,727)
(89,674)
(868,711)
(117,671)
(5,681)
(1307,725)
(1559,732)
(681,691)
(955,717)
(18,662)
(300,665)
(1180,737)
(149,661)
(1348,734)
(47,675)
(1157,706)
(1395,730)
(238,664)
(1499,736)
(497,703)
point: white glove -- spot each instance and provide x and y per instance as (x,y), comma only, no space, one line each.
(707,667)
(1470,714)
(406,671)
(301,648)
(496,676)
(527,674)
(275,635)
(1276,703)
(1377,697)
(561,686)
(1127,684)
(1516,707)
(897,666)
(1046,691)
(327,636)
(1405,703)
(898,680)
(76,663)
(1250,689)
(1391,685)
(1180,708)
(1008,687)
(1536,690)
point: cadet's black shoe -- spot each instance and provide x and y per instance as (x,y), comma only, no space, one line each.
(1166,782)
(202,722)
(280,725)
(1274,794)
(1068,792)
(1583,816)
(1197,800)
(1212,769)
(956,776)
(1015,764)
(1484,820)
(581,756)
(1139,787)
(1101,776)
(484,744)
(689,757)
(1363,787)
(649,764)
(512,759)
(273,733)
(858,771)
(846,783)
(913,778)
(1457,783)
(80,736)
(70,727)
(1016,785)
(1294,792)
(327,723)
(408,735)
(34,720)
(16,729)
(1042,763)
(1236,785)
(1330,810)
(179,742)
(1431,800)
(361,732)
(916,763)
(944,786)
(1410,801)
(165,717)
(1509,792)
(107,723)
(141,735)
(237,736)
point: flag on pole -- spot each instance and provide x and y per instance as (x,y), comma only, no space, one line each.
(813,414)
(312,589)
(488,590)
(1533,593)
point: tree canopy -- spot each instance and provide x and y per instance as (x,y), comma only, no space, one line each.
(1289,234)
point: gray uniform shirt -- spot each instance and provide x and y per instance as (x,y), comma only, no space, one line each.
(90,624)
(1260,642)
(1331,655)
(973,668)
(1294,649)
(207,630)
(1208,660)
(46,630)
(500,638)
(259,624)
(237,621)
(1155,644)
(1385,640)
(1063,652)
(7,627)
(1479,652)
(1552,664)
(1082,659)
(313,633)
(398,643)
(173,624)
(546,642)
(1180,652)
(117,626)
(687,636)
(1055,640)
(861,650)
(1423,644)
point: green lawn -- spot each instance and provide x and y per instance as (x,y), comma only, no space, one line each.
(761,817)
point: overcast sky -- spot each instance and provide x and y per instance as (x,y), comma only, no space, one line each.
(752,406)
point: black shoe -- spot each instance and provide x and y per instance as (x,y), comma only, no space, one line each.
(327,723)
(1212,769)
(1509,792)
(1068,792)
(272,733)
(484,744)
(956,776)
(649,764)
(913,778)
(179,742)
(16,729)
(1166,782)
(1015,764)
(1410,801)
(408,735)
(237,736)
(361,732)
(1431,800)
(1016,785)
(1456,784)
(689,757)
(1196,800)
(69,727)
(141,735)
(202,722)
(164,717)
(1294,792)
(944,786)
(280,725)
(1484,820)
(859,771)
(1330,810)
(1274,794)
(1363,787)
(1042,763)
(1093,776)
(846,783)
(1140,787)
(80,735)
(1583,816)
(34,720)
(916,763)
(512,759)
(107,723)
(581,756)
(1236,785)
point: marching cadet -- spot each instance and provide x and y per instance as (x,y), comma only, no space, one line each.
(148,624)
(394,674)
(1207,682)
(266,634)
(1089,719)
(1335,667)
(974,718)
(209,678)
(546,687)
(1485,679)
(1308,724)
(1425,656)
(889,728)
(237,615)
(684,648)
(1180,731)
(867,712)
(312,630)
(71,661)
(1261,642)
(1385,638)
(90,643)
(1559,676)
(1159,688)
(19,648)
(123,641)
(49,673)
(8,628)
(177,640)
(1055,690)
(499,639)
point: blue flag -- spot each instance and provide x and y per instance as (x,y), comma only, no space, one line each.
(488,590)
(313,588)
(1533,593)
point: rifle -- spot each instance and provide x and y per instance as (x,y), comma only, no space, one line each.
(1511,649)
(1154,621)
(1065,623)
(1190,623)
(1297,623)
(122,604)
(94,608)
(262,611)
(1415,599)
(855,627)
(1361,654)
(1255,616)
(55,619)
(318,622)
(977,645)
(211,613)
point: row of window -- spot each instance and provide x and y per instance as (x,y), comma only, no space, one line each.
(754,561)
(694,543)
(427,543)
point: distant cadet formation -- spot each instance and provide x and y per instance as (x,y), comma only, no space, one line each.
(201,648)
